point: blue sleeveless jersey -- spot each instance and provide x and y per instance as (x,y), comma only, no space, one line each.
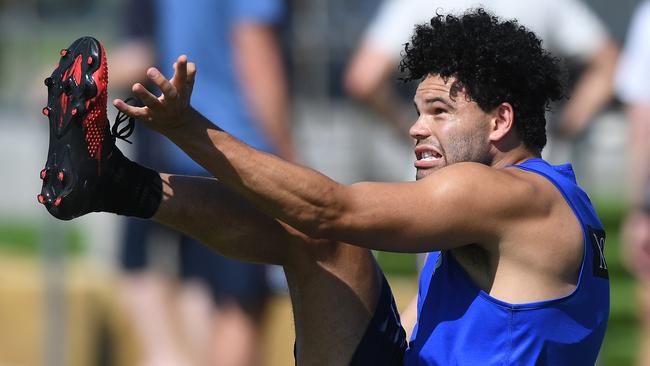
(459,324)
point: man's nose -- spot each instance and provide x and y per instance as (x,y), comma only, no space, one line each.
(419,130)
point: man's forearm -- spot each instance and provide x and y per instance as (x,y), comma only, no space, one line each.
(593,90)
(368,79)
(263,179)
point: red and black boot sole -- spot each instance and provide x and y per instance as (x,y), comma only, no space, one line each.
(80,139)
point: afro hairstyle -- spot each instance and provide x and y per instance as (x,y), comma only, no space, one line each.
(493,61)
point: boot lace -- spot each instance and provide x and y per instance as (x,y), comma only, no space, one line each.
(124,132)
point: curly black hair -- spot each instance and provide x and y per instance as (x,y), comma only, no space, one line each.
(493,61)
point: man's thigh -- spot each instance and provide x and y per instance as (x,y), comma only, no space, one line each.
(343,308)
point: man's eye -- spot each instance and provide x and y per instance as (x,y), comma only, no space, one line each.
(439,111)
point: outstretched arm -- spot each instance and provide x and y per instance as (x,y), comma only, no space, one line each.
(414,216)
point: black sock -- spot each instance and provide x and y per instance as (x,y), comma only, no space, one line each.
(131,189)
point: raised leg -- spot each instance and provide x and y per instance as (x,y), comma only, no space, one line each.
(334,287)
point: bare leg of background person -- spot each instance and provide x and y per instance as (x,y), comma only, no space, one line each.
(196,310)
(234,339)
(334,287)
(216,335)
(148,307)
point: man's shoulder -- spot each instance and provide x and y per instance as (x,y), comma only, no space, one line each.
(472,173)
(506,189)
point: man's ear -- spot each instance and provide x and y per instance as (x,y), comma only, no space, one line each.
(502,122)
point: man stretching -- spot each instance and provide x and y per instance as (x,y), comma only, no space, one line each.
(515,273)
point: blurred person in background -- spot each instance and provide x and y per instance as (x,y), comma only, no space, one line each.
(569,29)
(220,301)
(633,88)
(329,122)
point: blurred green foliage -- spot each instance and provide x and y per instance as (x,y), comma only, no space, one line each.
(621,340)
(27,238)
(402,264)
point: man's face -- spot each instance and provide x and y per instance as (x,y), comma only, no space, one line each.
(449,129)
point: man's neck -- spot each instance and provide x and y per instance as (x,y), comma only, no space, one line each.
(511,157)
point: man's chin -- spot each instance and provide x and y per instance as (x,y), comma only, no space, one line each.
(423,173)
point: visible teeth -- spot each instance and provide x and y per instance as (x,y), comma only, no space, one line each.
(429,155)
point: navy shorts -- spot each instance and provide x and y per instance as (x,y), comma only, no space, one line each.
(384,342)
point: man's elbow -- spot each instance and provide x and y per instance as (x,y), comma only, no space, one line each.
(606,58)
(325,224)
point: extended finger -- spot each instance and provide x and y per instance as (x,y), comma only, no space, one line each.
(180,77)
(145,96)
(132,111)
(180,69)
(189,82)
(191,73)
(167,88)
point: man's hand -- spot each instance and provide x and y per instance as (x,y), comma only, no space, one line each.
(167,112)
